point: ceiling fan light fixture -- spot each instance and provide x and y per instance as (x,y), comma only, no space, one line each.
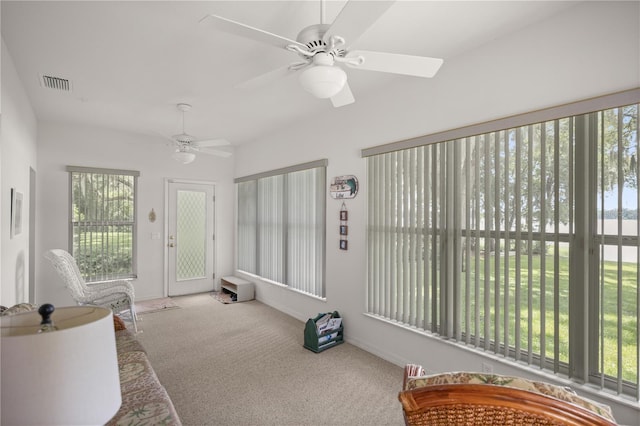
(184,157)
(323,81)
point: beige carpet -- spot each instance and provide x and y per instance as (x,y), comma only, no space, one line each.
(155,305)
(244,364)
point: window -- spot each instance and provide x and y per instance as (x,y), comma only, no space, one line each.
(281,226)
(103,222)
(520,241)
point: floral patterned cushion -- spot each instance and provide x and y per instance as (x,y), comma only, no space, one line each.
(20,307)
(126,342)
(145,401)
(558,392)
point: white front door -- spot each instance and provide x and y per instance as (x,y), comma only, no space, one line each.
(190,239)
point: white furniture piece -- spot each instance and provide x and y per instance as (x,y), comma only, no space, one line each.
(242,288)
(115,295)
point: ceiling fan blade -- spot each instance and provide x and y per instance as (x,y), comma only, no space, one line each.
(217,152)
(212,142)
(344,97)
(355,18)
(419,66)
(163,136)
(252,33)
(265,79)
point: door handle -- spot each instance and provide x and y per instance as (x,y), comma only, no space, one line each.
(170,244)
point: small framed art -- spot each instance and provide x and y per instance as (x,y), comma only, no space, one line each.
(343,244)
(344,230)
(344,215)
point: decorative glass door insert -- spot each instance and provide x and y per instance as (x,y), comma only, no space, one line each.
(190,243)
(191,230)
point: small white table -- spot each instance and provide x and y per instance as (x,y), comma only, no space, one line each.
(242,288)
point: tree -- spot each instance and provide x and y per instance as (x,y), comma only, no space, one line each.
(618,148)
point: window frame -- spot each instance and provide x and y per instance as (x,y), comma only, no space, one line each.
(315,288)
(134,223)
(584,197)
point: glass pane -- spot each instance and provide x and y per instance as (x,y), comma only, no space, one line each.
(619,303)
(618,172)
(617,229)
(499,212)
(191,235)
(103,251)
(102,216)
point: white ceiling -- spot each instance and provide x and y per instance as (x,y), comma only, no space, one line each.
(131,62)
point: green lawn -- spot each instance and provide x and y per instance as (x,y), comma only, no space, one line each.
(100,253)
(628,292)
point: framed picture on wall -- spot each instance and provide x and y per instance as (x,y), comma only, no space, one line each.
(343,245)
(344,229)
(343,215)
(16,212)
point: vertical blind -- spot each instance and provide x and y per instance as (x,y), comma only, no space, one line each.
(281,226)
(247,230)
(306,197)
(103,222)
(271,228)
(510,242)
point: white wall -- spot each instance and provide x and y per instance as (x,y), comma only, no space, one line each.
(62,145)
(18,142)
(591,49)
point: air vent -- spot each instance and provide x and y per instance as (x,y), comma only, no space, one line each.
(56,83)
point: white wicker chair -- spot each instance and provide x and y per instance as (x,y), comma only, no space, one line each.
(116,295)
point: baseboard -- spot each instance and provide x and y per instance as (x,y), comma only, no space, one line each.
(285,310)
(377,351)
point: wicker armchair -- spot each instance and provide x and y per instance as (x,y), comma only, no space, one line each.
(115,295)
(488,404)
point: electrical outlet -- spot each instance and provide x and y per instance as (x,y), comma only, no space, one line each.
(487,368)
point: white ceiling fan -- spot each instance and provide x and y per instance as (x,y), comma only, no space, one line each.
(187,146)
(322,47)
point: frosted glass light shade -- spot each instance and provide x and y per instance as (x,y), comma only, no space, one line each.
(64,377)
(323,81)
(184,157)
